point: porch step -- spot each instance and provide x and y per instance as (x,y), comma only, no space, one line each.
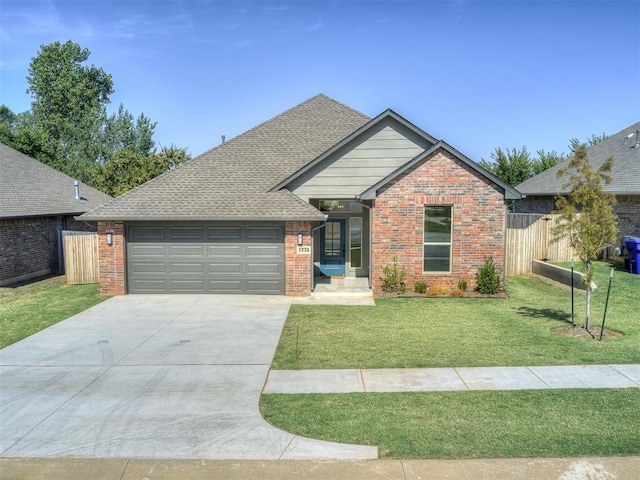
(339,291)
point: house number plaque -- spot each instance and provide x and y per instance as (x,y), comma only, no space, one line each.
(304,249)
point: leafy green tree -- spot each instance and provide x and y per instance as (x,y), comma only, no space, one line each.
(594,139)
(511,166)
(586,213)
(546,160)
(122,133)
(68,106)
(128,169)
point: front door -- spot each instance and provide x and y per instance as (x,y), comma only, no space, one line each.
(332,248)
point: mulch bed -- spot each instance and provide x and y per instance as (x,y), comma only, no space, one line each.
(594,332)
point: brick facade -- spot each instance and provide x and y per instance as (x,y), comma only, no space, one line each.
(112,260)
(297,265)
(28,245)
(478,221)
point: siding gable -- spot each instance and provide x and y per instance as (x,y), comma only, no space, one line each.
(361,163)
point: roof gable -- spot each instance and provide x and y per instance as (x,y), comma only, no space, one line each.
(509,192)
(29,188)
(387,116)
(625,172)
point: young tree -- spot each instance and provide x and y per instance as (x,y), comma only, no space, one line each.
(586,213)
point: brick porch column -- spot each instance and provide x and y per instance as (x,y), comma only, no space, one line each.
(112,272)
(297,265)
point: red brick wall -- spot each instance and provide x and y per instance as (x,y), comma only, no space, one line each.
(112,271)
(478,221)
(297,265)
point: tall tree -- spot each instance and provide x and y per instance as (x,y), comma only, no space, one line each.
(511,166)
(68,105)
(122,133)
(128,169)
(586,213)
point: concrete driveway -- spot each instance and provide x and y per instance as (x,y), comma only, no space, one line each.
(159,376)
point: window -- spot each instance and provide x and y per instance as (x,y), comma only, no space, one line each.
(437,238)
(355,241)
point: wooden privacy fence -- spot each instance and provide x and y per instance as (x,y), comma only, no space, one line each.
(529,237)
(81,257)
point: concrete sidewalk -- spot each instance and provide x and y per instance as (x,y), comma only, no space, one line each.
(619,468)
(446,379)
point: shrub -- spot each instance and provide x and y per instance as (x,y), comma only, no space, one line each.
(456,292)
(439,289)
(462,285)
(487,279)
(393,277)
(420,287)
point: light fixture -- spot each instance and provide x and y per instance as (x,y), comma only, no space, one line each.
(109,238)
(300,238)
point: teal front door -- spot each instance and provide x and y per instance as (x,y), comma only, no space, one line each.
(332,248)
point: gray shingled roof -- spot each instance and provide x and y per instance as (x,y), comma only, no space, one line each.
(29,188)
(625,172)
(232,181)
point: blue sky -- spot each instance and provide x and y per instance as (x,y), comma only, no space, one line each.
(477,74)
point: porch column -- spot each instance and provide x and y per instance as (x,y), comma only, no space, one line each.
(111,258)
(297,259)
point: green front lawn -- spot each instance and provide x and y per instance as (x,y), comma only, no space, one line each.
(27,309)
(530,423)
(449,332)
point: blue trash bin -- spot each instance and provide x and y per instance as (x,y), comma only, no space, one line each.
(633,248)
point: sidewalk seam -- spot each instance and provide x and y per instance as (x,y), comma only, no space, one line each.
(364,385)
(620,373)
(539,377)
(455,369)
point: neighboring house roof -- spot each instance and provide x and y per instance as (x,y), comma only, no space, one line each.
(29,188)
(233,180)
(245,178)
(625,172)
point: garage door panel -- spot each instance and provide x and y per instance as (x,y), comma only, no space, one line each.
(206,259)
(264,268)
(224,251)
(227,286)
(186,233)
(272,234)
(187,286)
(186,250)
(225,234)
(146,267)
(187,268)
(228,268)
(149,251)
(260,287)
(146,234)
(272,251)
(149,285)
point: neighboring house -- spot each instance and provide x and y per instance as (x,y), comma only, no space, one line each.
(539,192)
(321,189)
(36,204)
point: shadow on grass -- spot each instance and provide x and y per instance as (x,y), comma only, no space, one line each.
(546,313)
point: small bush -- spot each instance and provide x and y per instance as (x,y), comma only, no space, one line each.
(456,292)
(487,278)
(439,289)
(393,278)
(462,285)
(420,287)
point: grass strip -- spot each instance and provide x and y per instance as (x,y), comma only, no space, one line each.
(27,309)
(479,424)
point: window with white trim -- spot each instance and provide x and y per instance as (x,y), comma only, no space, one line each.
(438,234)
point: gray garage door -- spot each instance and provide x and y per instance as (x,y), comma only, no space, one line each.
(205,259)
